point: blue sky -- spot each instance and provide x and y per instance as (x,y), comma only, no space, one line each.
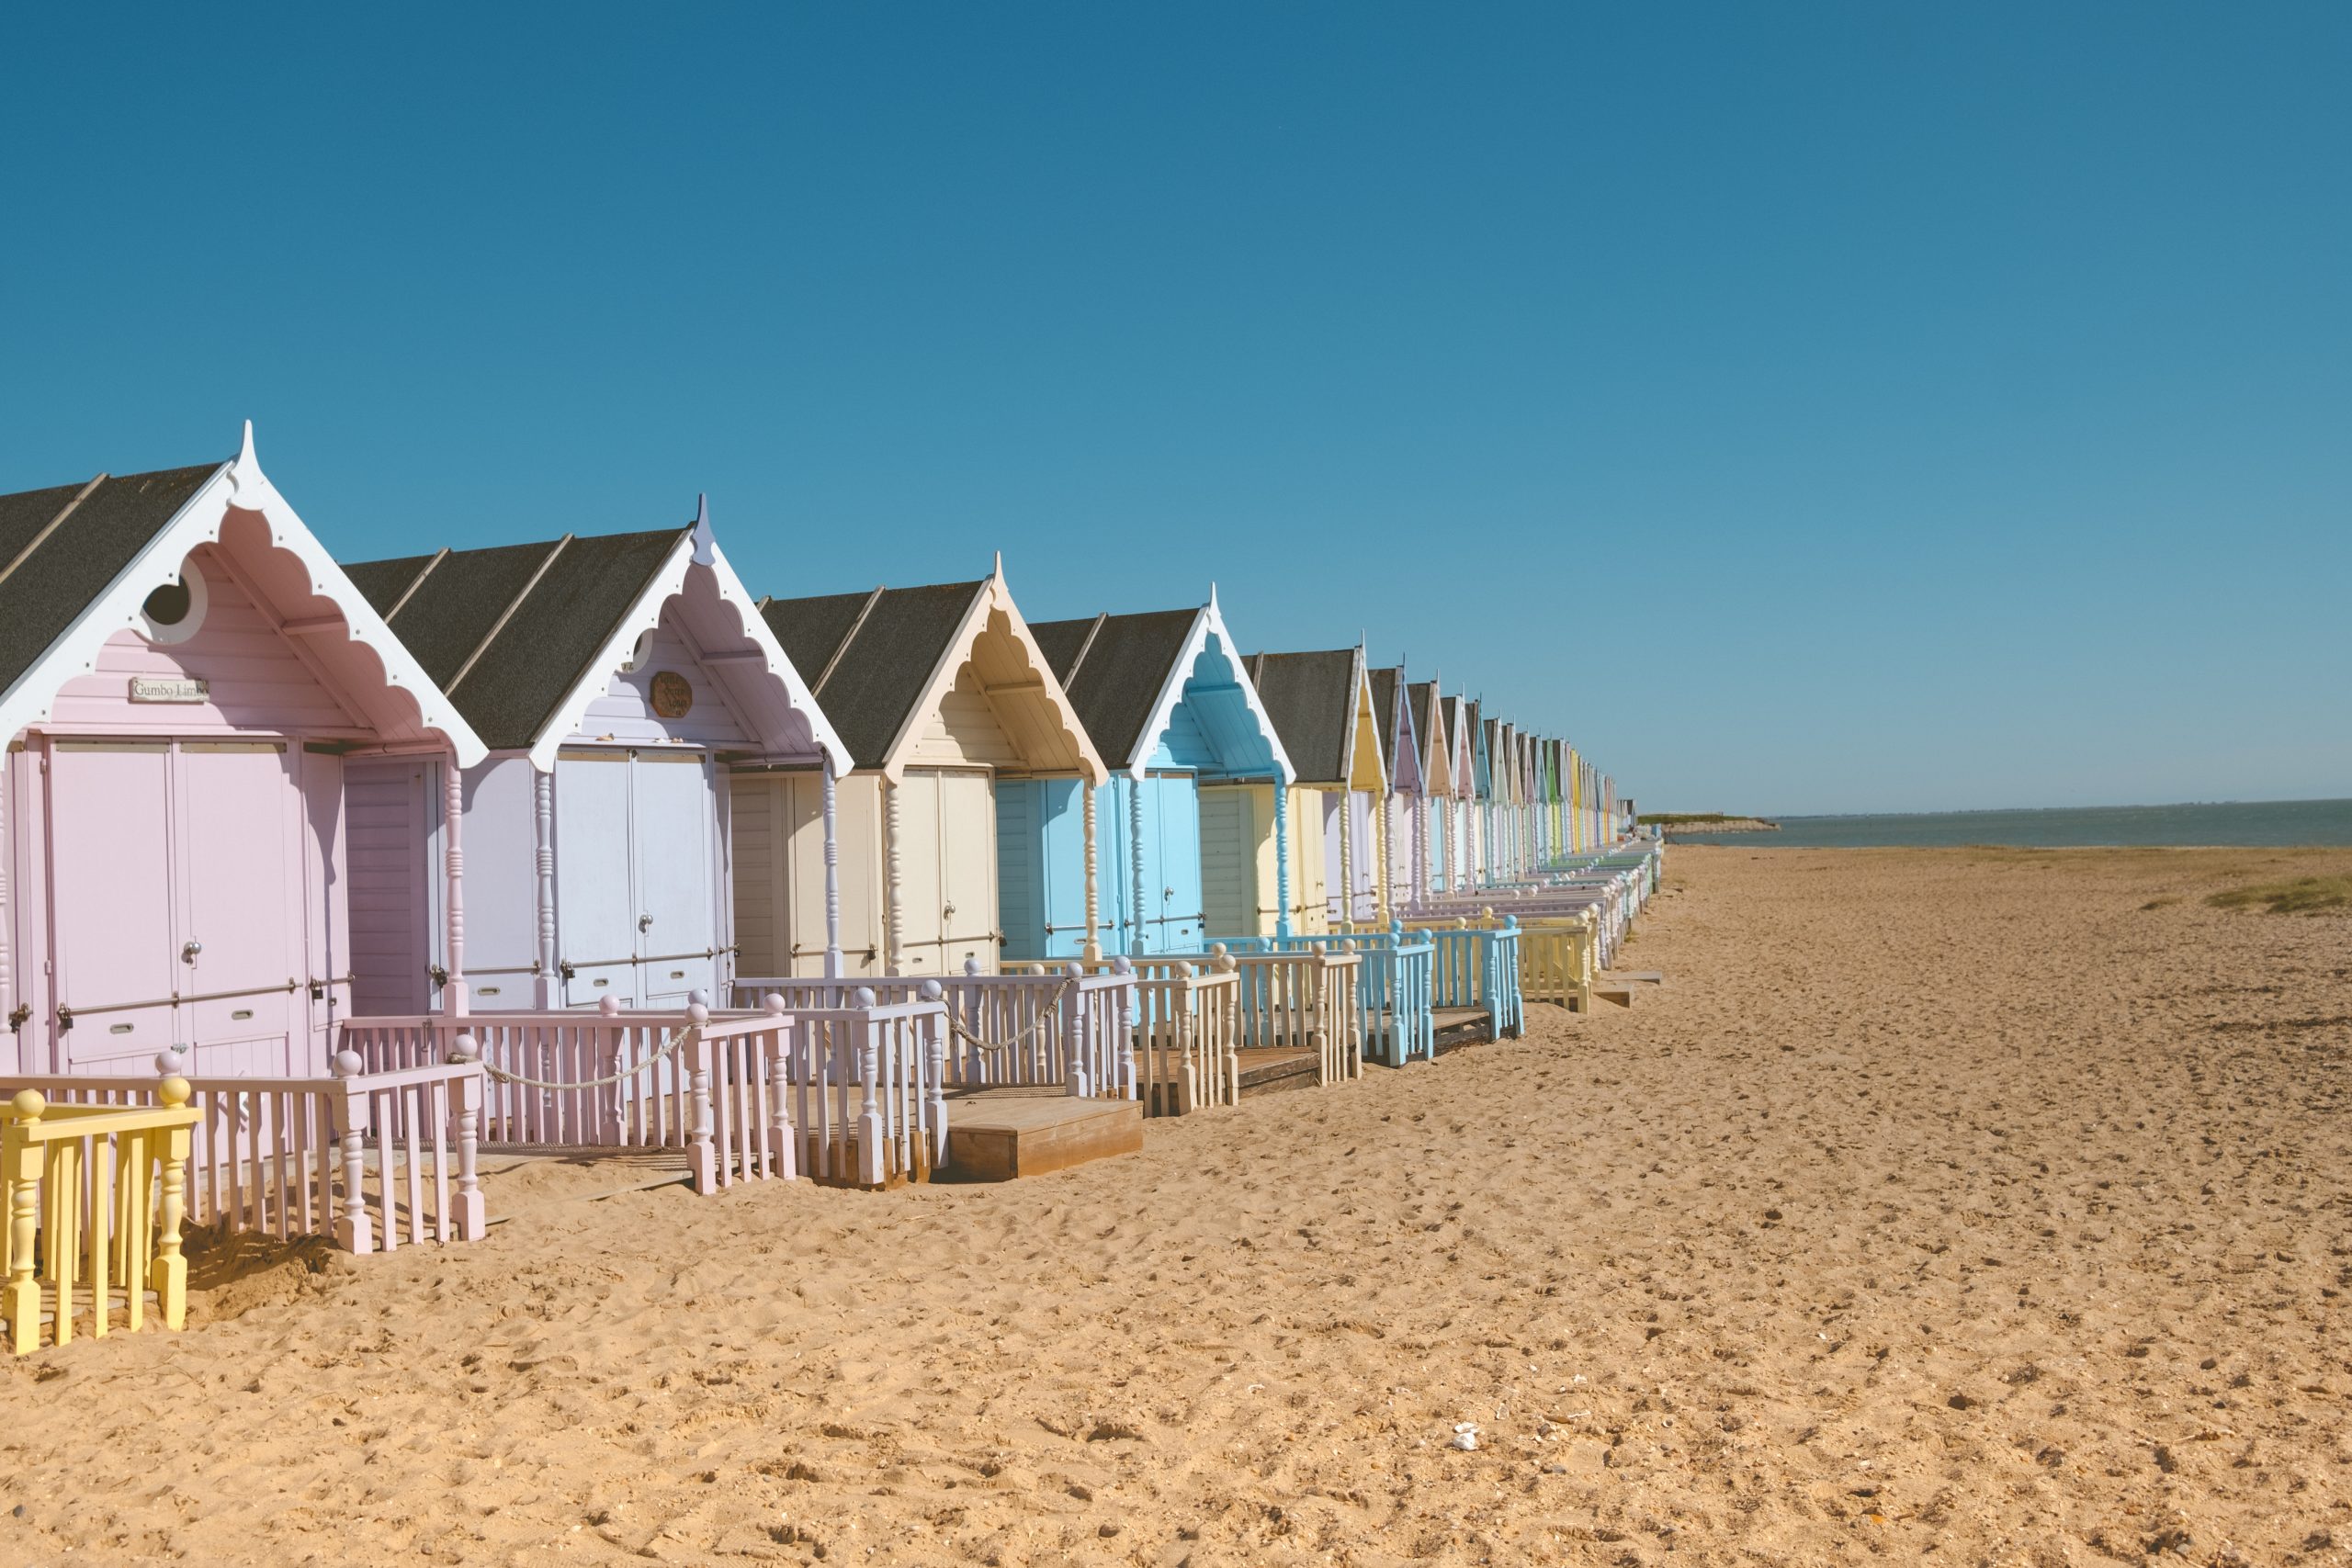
(1804,408)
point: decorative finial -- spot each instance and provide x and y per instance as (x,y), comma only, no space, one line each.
(1211,592)
(246,485)
(704,542)
(998,572)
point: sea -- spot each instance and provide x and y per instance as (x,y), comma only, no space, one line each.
(2217,822)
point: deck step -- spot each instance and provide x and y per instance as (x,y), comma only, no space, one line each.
(996,1134)
(1273,1071)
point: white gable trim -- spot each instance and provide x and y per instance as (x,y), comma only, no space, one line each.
(239,484)
(993,595)
(1171,692)
(693,548)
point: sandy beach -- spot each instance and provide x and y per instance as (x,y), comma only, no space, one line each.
(1992,1203)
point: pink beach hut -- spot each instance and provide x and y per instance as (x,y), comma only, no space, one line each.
(188,684)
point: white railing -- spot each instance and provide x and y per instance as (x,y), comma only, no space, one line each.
(1184,1025)
(1066,1028)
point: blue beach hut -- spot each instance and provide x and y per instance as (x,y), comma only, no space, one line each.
(1165,699)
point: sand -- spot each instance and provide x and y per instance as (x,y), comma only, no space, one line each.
(1991,1204)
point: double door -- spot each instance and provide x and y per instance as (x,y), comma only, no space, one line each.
(177,911)
(1173,917)
(637,883)
(947,871)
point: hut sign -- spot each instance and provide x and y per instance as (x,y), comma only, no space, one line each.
(168,688)
(673,694)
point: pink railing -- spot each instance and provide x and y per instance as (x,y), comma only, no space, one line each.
(289,1156)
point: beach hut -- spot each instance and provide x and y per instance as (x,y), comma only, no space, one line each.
(1460,823)
(188,684)
(615,678)
(1433,798)
(939,693)
(1482,795)
(1265,871)
(1510,864)
(1399,808)
(1165,699)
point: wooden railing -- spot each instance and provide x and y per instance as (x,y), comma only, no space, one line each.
(1393,986)
(1183,1023)
(1064,1026)
(93,1197)
(746,1095)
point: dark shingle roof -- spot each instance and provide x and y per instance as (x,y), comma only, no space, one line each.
(1419,695)
(54,579)
(1310,697)
(1126,664)
(881,646)
(560,601)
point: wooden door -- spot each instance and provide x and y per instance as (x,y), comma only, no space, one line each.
(595,917)
(242,904)
(674,810)
(112,924)
(1172,895)
(967,871)
(391,901)
(1229,861)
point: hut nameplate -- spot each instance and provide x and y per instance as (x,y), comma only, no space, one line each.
(673,695)
(168,688)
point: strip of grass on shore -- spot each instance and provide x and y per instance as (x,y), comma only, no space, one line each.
(1697,818)
(2302,895)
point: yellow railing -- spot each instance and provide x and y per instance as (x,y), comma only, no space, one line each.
(93,1196)
(1559,955)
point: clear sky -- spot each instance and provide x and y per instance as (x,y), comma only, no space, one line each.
(1804,408)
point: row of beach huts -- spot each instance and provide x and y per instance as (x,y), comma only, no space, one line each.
(319,880)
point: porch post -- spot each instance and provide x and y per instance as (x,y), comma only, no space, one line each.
(1385,830)
(1347,861)
(7,980)
(1282,859)
(832,879)
(543,828)
(1135,861)
(453,990)
(894,933)
(1093,949)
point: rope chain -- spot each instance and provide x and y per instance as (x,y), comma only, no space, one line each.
(607,1081)
(1050,1010)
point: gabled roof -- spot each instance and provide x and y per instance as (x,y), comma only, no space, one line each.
(524,637)
(78,561)
(881,659)
(1317,700)
(1125,674)
(1429,730)
(1390,699)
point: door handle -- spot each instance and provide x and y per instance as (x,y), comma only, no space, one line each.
(645,922)
(189,950)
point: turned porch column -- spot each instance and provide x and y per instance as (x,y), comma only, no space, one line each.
(1347,861)
(894,933)
(832,875)
(453,990)
(1093,949)
(550,981)
(1134,862)
(1384,829)
(1282,860)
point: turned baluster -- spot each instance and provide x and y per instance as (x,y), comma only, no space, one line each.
(352,1232)
(472,1215)
(701,1159)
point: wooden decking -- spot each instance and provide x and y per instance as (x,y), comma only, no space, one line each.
(995,1135)
(1624,987)
(1272,1069)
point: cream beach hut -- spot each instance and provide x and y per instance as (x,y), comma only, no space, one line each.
(1434,798)
(187,682)
(620,681)
(1400,819)
(937,692)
